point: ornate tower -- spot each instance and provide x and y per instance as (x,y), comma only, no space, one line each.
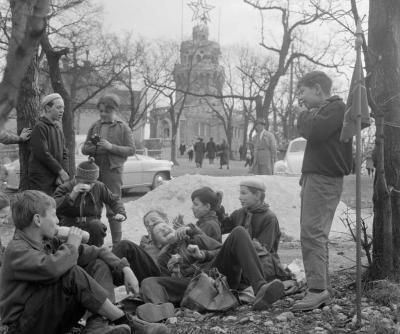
(199,72)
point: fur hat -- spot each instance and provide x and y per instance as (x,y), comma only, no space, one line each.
(88,171)
(109,100)
(50,98)
(253,182)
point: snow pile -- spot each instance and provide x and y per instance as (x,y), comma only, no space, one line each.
(173,197)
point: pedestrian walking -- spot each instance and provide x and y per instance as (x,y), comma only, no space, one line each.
(211,149)
(265,152)
(199,150)
(223,154)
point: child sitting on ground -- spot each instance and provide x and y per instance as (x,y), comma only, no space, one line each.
(261,224)
(205,203)
(80,202)
(45,289)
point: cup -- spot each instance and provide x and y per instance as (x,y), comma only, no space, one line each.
(63,232)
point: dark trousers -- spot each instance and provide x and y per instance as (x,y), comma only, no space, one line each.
(57,307)
(140,262)
(93,226)
(237,257)
(113,180)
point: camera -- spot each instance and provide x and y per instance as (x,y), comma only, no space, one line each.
(95,139)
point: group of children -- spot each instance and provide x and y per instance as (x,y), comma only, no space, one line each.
(44,278)
(48,285)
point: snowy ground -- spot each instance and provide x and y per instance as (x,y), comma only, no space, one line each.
(174,198)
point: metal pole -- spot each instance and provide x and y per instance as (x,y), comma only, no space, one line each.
(358,173)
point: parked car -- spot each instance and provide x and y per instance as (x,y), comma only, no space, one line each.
(293,160)
(139,170)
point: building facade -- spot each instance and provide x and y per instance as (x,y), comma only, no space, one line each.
(199,80)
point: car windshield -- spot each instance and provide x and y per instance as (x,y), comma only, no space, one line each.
(298,146)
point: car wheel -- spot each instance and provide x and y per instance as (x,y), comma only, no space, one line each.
(159,179)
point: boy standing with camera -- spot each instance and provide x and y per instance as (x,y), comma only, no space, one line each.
(326,161)
(110,142)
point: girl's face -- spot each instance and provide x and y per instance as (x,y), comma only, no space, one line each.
(199,208)
(247,198)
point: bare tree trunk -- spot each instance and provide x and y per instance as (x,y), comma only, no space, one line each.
(174,130)
(27,114)
(384,28)
(246,119)
(28,25)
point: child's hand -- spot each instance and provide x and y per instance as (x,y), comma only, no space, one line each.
(119,217)
(195,252)
(173,261)
(130,280)
(181,233)
(81,188)
(75,236)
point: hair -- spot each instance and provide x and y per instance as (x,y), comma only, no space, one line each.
(257,191)
(29,203)
(4,200)
(207,196)
(161,213)
(316,78)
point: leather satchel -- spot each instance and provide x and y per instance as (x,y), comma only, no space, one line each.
(209,292)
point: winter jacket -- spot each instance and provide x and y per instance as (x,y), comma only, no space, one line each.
(264,226)
(120,136)
(48,155)
(92,202)
(210,225)
(264,153)
(211,149)
(325,154)
(197,237)
(29,264)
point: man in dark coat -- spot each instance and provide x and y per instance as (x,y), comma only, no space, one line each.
(211,149)
(199,150)
(48,158)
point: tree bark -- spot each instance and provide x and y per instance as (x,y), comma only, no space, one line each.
(27,115)
(28,24)
(384,43)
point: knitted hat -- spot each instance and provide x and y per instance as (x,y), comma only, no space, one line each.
(50,98)
(207,195)
(109,100)
(253,182)
(88,171)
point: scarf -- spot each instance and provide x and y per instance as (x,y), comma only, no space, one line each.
(259,208)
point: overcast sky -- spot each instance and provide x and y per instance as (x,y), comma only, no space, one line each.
(239,22)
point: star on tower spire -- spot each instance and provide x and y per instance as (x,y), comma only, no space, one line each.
(201,10)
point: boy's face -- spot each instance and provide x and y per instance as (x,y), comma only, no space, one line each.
(164,234)
(48,223)
(199,208)
(5,215)
(152,219)
(56,111)
(247,198)
(107,113)
(311,96)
